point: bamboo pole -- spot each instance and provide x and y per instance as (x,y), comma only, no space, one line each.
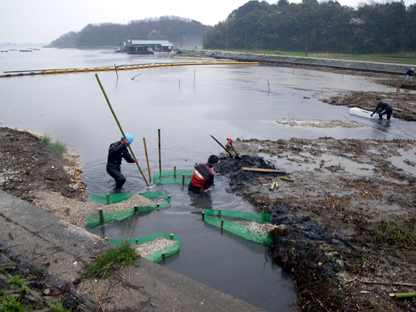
(403,295)
(160,157)
(100,212)
(147,159)
(119,126)
(388,283)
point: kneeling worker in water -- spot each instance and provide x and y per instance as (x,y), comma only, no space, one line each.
(116,152)
(203,177)
(383,108)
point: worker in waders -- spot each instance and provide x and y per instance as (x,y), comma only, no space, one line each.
(116,152)
(382,108)
(203,177)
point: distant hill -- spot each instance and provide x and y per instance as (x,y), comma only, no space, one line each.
(182,32)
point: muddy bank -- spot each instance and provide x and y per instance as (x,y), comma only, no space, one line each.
(347,202)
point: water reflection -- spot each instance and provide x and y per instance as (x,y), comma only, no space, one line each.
(382,124)
(201,201)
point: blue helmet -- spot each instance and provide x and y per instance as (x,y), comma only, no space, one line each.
(129,137)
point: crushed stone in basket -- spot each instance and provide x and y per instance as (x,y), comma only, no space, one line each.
(153,246)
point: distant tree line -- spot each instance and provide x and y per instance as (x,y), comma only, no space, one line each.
(313,26)
(324,26)
(179,31)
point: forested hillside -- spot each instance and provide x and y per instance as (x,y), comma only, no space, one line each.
(323,26)
(179,31)
(309,26)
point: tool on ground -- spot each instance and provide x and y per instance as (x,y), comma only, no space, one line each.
(222,146)
(119,126)
(266,170)
(273,186)
(231,144)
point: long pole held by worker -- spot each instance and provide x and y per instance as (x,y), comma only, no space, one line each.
(119,126)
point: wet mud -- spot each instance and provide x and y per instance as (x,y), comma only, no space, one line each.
(344,195)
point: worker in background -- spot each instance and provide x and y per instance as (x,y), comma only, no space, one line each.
(383,108)
(409,75)
(203,176)
(116,152)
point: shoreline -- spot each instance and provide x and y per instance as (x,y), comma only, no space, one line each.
(333,211)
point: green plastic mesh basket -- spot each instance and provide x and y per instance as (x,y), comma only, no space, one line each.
(108,199)
(158,255)
(226,219)
(172,177)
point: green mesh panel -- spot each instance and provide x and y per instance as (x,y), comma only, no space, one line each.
(171,177)
(158,255)
(223,219)
(95,220)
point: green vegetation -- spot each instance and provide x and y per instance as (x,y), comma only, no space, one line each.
(308,27)
(180,31)
(111,260)
(10,304)
(16,281)
(312,26)
(56,146)
(59,307)
(396,236)
(395,58)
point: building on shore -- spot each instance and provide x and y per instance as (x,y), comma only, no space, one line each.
(145,46)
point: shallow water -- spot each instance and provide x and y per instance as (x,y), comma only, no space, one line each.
(187,104)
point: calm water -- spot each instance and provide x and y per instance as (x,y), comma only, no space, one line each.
(187,104)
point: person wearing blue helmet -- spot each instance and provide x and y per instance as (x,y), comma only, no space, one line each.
(117,151)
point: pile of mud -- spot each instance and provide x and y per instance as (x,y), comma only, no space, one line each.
(343,192)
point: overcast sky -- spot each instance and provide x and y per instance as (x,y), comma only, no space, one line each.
(42,21)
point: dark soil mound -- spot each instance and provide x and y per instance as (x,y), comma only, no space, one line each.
(28,164)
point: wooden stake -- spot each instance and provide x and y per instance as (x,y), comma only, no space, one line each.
(100,212)
(147,159)
(160,157)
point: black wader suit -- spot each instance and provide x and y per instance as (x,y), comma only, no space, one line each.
(116,152)
(383,108)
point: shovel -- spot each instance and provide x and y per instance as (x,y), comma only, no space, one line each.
(231,143)
(222,146)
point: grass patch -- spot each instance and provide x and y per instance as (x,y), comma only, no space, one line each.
(56,146)
(11,304)
(59,307)
(395,236)
(16,281)
(112,259)
(395,58)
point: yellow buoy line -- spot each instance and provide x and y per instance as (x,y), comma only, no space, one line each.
(122,67)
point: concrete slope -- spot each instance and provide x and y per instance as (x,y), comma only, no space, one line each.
(42,241)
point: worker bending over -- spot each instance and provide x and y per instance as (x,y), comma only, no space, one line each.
(203,176)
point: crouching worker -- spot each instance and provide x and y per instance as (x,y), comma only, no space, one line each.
(116,152)
(203,177)
(382,108)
